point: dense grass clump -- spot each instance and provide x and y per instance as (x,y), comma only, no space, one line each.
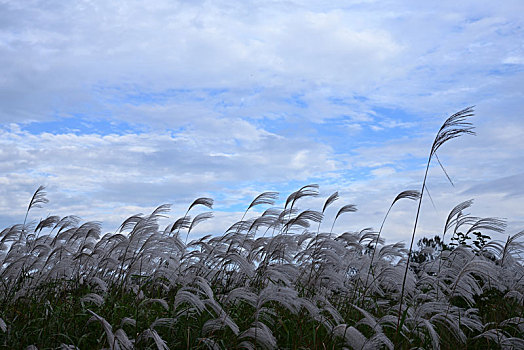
(272,281)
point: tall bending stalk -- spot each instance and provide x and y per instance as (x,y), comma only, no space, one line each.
(453,127)
(348,208)
(409,194)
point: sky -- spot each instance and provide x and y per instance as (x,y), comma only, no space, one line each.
(118,107)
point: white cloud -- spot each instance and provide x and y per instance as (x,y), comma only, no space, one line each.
(69,50)
(384,171)
(71,59)
(145,169)
(513,60)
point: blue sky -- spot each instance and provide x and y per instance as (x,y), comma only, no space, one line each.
(118,107)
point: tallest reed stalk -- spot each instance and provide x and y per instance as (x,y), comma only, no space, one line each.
(453,127)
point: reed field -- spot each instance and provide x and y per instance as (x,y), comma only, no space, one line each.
(275,281)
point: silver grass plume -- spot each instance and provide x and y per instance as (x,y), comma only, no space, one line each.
(113,344)
(47,222)
(181,223)
(349,208)
(409,194)
(331,199)
(456,211)
(502,339)
(306,191)
(160,211)
(152,334)
(240,226)
(207,202)
(264,198)
(453,127)
(38,199)
(198,219)
(303,219)
(124,340)
(491,224)
(512,246)
(130,222)
(262,221)
(261,335)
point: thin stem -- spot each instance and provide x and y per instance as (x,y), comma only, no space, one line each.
(375,248)
(411,245)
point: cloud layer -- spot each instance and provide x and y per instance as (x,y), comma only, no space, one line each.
(129,105)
